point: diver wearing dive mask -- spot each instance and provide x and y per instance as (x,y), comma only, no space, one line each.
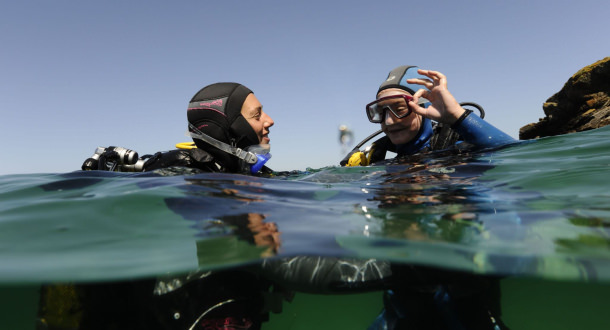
(398,105)
(418,114)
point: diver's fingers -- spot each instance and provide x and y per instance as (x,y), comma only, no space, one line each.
(417,109)
(438,77)
(420,93)
(414,104)
(423,82)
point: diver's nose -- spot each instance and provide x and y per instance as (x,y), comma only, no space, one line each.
(267,121)
(388,117)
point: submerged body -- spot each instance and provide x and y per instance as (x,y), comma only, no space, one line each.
(226,122)
(407,102)
(539,224)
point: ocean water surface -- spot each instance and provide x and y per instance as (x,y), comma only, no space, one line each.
(535,214)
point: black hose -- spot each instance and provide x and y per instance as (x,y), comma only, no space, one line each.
(367,139)
(478,107)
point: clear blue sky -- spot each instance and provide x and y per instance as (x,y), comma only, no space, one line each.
(75,75)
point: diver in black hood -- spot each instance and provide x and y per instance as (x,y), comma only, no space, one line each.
(230,133)
(229,128)
(226,120)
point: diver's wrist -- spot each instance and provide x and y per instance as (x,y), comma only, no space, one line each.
(461,118)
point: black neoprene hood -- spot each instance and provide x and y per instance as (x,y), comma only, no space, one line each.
(216,111)
(397,78)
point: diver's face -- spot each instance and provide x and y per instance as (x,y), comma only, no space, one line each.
(265,233)
(252,110)
(399,130)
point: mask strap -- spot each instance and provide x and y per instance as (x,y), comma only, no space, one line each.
(248,157)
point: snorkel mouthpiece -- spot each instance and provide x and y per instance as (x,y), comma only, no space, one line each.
(262,159)
(262,156)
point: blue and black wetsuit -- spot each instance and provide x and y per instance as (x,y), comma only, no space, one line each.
(425,298)
(476,131)
(471,130)
(440,299)
(420,298)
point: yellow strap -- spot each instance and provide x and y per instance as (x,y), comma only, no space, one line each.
(357,159)
(186,145)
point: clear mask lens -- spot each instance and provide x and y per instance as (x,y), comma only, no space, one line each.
(397,104)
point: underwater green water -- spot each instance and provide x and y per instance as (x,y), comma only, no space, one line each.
(535,214)
(526,304)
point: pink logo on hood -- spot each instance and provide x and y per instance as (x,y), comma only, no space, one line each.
(217,103)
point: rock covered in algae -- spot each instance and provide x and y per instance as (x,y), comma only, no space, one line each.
(582,104)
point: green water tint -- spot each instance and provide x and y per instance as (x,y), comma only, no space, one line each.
(91,232)
(524,210)
(532,213)
(568,209)
(526,303)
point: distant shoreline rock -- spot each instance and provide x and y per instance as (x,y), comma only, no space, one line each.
(582,104)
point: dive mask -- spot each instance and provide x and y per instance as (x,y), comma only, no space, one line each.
(398,105)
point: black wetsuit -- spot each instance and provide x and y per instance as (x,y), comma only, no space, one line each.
(227,299)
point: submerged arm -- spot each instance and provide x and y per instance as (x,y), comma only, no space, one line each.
(328,274)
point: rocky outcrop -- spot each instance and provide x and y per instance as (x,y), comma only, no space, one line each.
(582,104)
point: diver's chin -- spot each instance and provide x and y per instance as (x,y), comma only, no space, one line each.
(399,136)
